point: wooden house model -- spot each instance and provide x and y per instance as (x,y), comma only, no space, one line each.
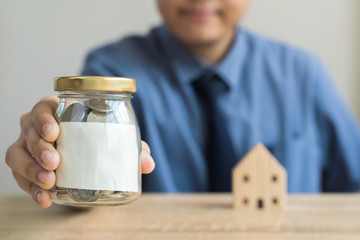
(259,181)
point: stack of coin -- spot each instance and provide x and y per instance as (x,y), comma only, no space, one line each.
(101,111)
(84,195)
(94,110)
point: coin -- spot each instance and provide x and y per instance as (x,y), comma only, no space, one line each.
(108,192)
(101,117)
(87,111)
(84,195)
(73,113)
(96,117)
(100,105)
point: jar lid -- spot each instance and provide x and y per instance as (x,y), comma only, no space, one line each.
(95,83)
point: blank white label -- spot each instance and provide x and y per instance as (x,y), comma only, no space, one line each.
(98,156)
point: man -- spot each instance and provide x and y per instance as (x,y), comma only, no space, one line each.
(207,92)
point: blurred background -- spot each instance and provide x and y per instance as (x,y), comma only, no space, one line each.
(42,39)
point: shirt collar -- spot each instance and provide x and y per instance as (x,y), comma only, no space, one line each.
(230,67)
(188,67)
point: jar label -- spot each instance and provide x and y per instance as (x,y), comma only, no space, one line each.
(98,156)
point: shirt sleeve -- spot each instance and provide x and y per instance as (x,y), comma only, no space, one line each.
(95,66)
(339,136)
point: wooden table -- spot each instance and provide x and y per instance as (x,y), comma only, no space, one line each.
(186,216)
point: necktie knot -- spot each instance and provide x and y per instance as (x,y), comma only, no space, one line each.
(209,86)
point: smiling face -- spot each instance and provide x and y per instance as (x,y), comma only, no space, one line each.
(202,22)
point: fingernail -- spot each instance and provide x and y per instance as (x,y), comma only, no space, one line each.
(46,127)
(46,157)
(42,176)
(38,197)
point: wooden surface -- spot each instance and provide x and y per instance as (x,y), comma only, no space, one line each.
(200,216)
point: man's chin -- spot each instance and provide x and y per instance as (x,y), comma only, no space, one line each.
(199,38)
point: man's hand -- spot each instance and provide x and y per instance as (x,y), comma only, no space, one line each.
(33,158)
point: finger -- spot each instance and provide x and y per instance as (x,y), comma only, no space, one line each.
(23,164)
(44,152)
(25,124)
(42,116)
(147,162)
(145,147)
(40,196)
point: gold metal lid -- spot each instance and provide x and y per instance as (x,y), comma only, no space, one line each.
(95,83)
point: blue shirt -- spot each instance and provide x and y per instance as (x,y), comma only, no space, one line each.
(279,95)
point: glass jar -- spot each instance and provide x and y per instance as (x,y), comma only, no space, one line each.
(99,142)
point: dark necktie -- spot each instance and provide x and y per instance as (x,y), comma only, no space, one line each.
(218,149)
